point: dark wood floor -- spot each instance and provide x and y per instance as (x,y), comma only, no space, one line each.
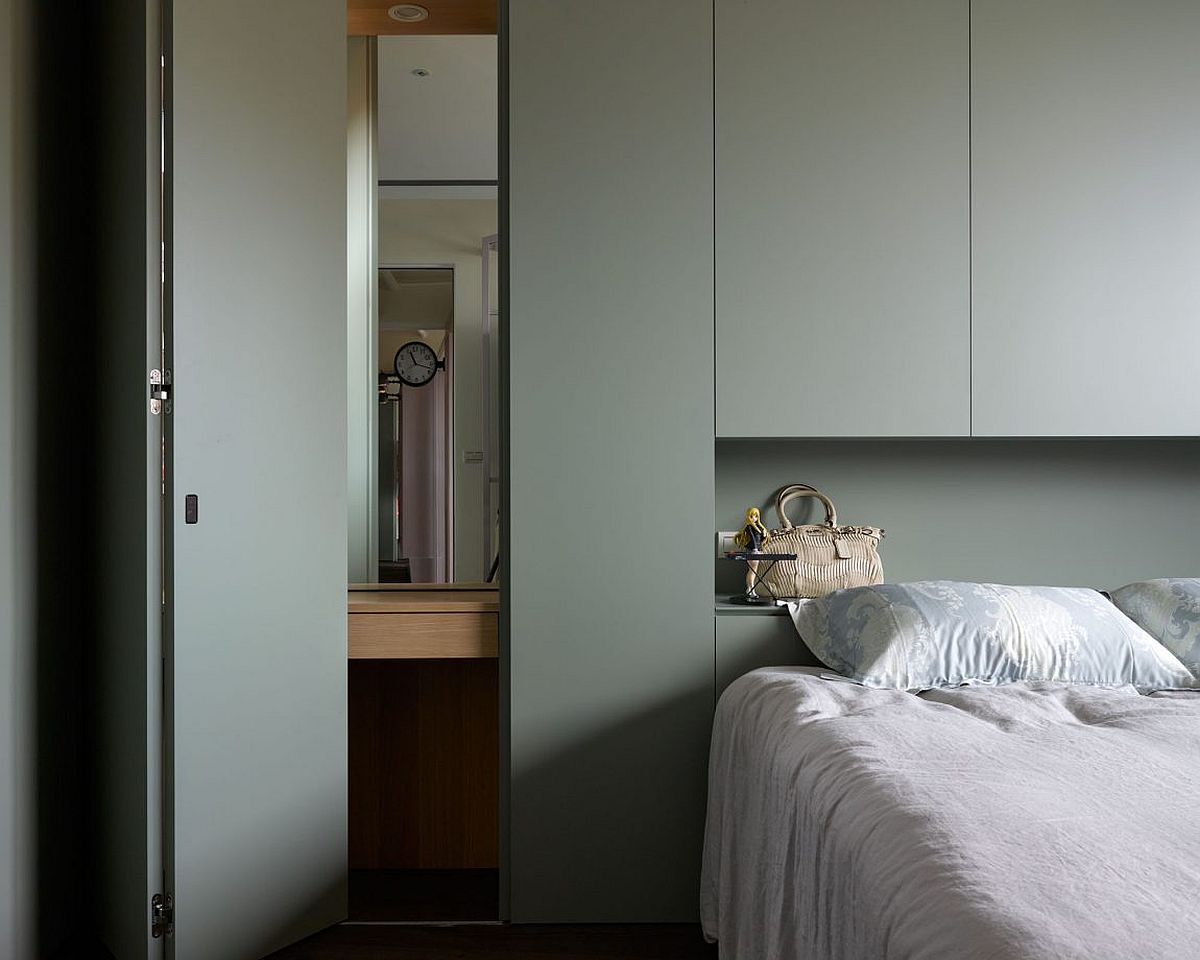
(436,896)
(537,942)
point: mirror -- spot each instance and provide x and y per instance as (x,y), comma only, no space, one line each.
(423,450)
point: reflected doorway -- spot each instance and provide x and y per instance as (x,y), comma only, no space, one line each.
(416,336)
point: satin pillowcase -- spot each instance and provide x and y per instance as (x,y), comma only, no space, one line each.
(1168,610)
(939,633)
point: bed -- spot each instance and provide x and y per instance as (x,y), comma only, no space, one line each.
(1028,821)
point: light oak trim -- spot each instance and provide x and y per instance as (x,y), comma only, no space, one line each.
(424,601)
(446,17)
(426,636)
(478,585)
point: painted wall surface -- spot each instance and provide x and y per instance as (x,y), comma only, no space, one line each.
(449,233)
(1066,512)
(16,499)
(609,645)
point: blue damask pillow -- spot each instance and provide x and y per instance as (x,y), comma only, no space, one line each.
(1168,610)
(941,632)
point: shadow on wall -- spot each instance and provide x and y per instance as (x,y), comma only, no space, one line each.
(573,803)
(318,905)
(67,499)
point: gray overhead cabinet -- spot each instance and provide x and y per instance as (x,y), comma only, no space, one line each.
(1086,217)
(842,220)
(875,277)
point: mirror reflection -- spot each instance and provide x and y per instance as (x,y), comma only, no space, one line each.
(416,315)
(423,451)
(437,382)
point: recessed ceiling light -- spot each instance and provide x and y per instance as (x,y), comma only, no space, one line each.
(408,12)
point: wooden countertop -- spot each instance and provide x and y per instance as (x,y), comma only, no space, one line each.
(422,598)
(422,621)
(422,587)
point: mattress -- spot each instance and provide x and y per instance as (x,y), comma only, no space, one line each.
(1019,822)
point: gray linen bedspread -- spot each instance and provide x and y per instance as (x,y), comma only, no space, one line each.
(1021,822)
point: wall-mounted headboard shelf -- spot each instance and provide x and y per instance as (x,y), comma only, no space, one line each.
(1071,512)
(723,608)
(1067,512)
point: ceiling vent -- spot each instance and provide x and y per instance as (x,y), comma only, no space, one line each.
(408,12)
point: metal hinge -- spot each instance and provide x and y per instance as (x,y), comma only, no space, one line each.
(160,391)
(162,915)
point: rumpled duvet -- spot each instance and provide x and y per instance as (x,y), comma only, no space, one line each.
(1018,822)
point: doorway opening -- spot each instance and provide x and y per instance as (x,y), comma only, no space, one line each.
(423,394)
(416,332)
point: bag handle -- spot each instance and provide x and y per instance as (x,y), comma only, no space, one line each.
(796,490)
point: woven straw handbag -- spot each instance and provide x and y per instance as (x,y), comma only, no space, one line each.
(829,557)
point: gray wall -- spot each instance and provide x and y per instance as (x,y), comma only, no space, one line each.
(611,401)
(65,425)
(16,498)
(47,486)
(1070,512)
(46,480)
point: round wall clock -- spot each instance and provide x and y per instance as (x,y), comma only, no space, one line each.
(416,363)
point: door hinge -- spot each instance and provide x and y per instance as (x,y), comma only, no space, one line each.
(162,915)
(160,391)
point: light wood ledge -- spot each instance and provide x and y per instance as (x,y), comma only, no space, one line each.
(422,624)
(423,601)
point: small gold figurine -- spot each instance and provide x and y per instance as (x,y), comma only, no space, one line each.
(752,538)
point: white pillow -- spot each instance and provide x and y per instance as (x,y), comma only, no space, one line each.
(1168,610)
(938,633)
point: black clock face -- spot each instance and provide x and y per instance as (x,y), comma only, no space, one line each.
(415,363)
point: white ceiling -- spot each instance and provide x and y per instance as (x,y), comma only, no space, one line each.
(442,126)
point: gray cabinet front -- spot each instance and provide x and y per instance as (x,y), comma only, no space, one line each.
(609,646)
(842,220)
(1086,217)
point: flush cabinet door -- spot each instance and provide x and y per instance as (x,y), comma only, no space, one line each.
(842,237)
(1086,217)
(257,676)
(610,401)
